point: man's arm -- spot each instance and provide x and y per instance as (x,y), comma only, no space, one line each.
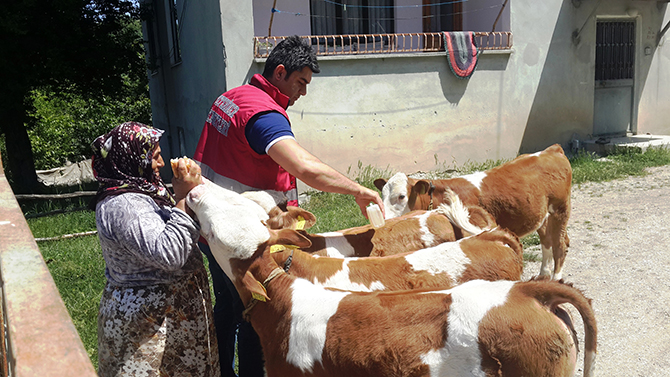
(303,165)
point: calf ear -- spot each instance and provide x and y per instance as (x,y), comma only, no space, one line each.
(379,183)
(421,187)
(293,218)
(255,287)
(288,237)
(301,219)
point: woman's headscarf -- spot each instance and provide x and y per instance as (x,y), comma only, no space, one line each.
(122,163)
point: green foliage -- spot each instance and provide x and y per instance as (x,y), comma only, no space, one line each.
(64,124)
(93,48)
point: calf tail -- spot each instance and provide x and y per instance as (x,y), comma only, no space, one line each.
(457,213)
(553,293)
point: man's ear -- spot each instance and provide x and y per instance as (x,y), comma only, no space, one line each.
(279,72)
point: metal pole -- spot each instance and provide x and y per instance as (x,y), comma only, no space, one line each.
(271,17)
(499,14)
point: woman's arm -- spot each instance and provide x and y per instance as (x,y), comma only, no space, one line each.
(160,238)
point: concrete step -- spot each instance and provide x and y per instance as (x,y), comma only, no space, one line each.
(604,145)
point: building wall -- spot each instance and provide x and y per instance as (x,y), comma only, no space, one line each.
(216,49)
(654,90)
(410,112)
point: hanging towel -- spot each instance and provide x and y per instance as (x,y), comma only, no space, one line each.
(461,52)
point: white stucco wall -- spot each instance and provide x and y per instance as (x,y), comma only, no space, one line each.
(654,89)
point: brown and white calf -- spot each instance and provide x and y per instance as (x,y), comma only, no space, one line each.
(412,231)
(280,215)
(491,255)
(479,328)
(530,193)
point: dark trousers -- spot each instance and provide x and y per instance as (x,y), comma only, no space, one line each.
(231,328)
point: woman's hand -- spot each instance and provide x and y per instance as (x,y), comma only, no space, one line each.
(186,175)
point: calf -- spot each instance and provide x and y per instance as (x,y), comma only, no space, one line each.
(530,193)
(280,215)
(412,231)
(479,328)
(492,255)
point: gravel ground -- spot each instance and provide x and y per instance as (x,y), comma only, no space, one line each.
(620,258)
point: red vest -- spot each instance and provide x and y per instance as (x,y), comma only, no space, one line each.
(225,156)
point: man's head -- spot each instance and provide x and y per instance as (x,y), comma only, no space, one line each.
(290,66)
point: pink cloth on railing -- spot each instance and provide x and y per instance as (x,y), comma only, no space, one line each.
(461,52)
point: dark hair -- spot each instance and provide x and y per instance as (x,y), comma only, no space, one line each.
(294,54)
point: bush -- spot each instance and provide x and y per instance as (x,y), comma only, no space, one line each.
(64,124)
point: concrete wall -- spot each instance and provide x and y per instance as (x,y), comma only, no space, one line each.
(217,54)
(409,112)
(654,77)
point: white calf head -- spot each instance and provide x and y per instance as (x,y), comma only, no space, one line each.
(230,223)
(395,195)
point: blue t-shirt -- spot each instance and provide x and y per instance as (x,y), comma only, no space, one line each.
(265,129)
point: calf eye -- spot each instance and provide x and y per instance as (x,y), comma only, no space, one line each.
(401,197)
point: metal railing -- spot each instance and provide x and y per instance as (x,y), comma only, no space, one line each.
(358,44)
(38,336)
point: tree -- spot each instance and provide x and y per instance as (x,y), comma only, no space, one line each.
(87,46)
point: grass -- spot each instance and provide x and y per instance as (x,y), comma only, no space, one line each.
(78,267)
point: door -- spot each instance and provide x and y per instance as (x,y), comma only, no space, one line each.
(614,78)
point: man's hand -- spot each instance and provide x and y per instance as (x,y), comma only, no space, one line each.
(366,197)
(308,168)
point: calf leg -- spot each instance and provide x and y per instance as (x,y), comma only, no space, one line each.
(557,228)
(546,245)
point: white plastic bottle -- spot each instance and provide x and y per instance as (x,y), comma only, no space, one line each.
(375,215)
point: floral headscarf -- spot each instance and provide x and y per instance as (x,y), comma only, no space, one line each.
(122,163)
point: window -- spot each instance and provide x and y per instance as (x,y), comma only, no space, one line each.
(615,50)
(354,17)
(442,16)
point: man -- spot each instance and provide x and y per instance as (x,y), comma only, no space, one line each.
(247,144)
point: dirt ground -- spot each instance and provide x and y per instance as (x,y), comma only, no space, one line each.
(619,257)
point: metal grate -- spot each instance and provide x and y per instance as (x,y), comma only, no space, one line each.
(356,44)
(615,50)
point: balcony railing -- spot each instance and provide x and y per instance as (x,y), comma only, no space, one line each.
(358,44)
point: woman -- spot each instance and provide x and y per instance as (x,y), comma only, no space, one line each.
(155,315)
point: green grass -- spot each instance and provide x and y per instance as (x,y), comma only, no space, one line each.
(621,163)
(78,268)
